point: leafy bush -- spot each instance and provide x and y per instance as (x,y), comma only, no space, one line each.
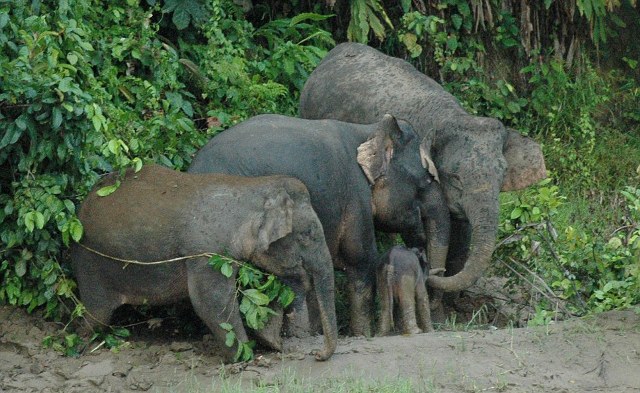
(454,52)
(365,19)
(91,86)
(248,71)
(585,272)
(565,110)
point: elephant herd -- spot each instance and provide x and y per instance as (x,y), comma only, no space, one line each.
(379,147)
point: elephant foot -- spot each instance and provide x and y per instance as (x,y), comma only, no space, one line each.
(357,332)
(271,334)
(360,326)
(296,323)
(411,329)
(382,332)
(294,327)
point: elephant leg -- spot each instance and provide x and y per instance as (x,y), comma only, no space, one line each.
(385,321)
(214,300)
(358,248)
(271,334)
(298,321)
(435,304)
(99,305)
(407,303)
(423,310)
(360,291)
(437,310)
(98,310)
(99,302)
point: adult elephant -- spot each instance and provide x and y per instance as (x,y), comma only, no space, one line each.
(476,157)
(159,214)
(359,177)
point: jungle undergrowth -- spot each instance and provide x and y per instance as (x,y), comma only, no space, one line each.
(91,87)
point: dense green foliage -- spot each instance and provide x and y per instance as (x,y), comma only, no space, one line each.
(89,86)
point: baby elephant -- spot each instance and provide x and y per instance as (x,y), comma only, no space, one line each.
(159,214)
(401,278)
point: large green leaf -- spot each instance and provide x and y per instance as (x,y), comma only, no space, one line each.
(308,16)
(256,297)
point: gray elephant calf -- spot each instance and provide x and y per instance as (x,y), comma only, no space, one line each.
(159,214)
(401,279)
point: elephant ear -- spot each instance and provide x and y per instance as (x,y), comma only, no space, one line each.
(266,226)
(525,162)
(376,153)
(427,162)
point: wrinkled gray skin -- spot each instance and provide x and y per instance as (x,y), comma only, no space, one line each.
(476,157)
(159,214)
(360,177)
(402,275)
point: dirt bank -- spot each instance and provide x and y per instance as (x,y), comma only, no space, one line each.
(592,354)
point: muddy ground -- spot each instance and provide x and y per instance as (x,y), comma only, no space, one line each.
(600,353)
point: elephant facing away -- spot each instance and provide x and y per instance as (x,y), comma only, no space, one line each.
(476,157)
(159,214)
(401,275)
(360,178)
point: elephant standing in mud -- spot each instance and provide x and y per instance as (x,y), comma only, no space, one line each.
(402,274)
(159,214)
(476,157)
(360,178)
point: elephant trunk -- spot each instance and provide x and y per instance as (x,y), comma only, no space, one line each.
(481,245)
(323,285)
(437,225)
(437,251)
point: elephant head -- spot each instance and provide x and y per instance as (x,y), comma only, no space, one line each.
(406,194)
(290,230)
(478,157)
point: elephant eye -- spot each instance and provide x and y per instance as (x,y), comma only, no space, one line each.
(423,184)
(304,237)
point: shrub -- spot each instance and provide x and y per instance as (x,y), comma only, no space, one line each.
(91,86)
(588,272)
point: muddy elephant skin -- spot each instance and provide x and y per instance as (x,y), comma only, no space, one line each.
(476,157)
(159,214)
(401,276)
(360,177)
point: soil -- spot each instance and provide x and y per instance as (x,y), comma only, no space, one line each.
(600,353)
